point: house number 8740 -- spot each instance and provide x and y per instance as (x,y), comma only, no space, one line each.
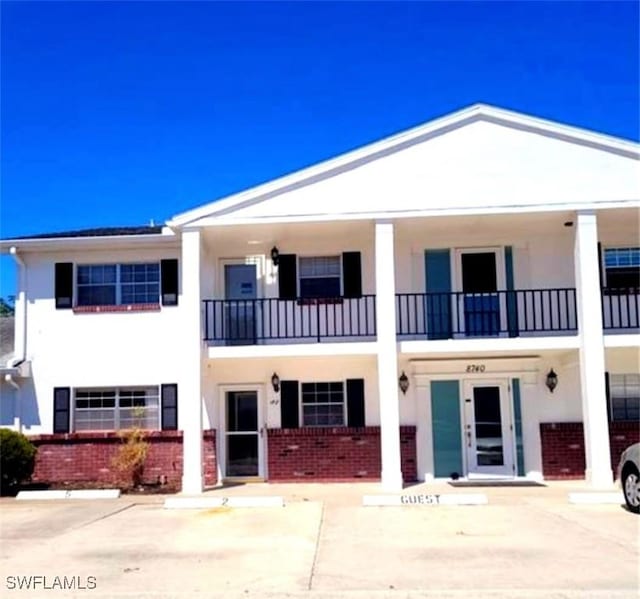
(475,368)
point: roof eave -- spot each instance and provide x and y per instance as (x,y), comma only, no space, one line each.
(54,243)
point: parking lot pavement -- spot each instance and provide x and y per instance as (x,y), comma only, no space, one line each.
(526,543)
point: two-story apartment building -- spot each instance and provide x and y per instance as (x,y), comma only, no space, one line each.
(459,300)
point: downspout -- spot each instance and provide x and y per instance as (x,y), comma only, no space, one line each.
(17,420)
(20,334)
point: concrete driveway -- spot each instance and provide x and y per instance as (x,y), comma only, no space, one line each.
(527,542)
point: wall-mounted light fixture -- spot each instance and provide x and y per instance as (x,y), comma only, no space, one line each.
(403,382)
(552,380)
(275,382)
(275,255)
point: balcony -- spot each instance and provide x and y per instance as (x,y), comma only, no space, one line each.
(513,313)
(620,309)
(272,320)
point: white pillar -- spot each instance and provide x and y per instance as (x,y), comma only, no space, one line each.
(387,357)
(190,388)
(592,364)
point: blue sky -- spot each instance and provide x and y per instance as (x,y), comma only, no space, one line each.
(117,113)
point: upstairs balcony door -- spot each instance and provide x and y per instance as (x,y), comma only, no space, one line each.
(479,304)
(240,311)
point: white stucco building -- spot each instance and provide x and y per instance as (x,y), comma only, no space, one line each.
(398,312)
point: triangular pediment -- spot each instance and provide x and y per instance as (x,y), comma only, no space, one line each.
(473,160)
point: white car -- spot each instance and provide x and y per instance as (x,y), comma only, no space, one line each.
(629,475)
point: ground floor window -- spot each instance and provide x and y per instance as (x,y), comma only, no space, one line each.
(116,408)
(624,390)
(323,404)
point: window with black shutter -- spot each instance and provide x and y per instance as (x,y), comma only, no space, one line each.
(64,285)
(289,408)
(61,409)
(355,402)
(169,400)
(287,276)
(352,274)
(169,282)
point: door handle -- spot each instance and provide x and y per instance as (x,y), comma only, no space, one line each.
(469,438)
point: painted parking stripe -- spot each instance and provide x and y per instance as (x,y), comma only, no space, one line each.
(198,503)
(425,499)
(71,494)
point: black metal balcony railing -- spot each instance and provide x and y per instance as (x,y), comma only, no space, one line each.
(247,322)
(620,308)
(430,315)
(509,313)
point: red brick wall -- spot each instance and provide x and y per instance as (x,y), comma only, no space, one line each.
(334,454)
(86,458)
(563,447)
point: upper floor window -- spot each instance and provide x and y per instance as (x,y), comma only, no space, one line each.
(320,276)
(323,404)
(114,409)
(624,393)
(622,267)
(115,284)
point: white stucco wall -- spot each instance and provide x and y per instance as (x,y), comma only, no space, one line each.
(70,349)
(220,374)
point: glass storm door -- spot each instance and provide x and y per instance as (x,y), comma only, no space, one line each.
(243,434)
(240,293)
(488,435)
(481,303)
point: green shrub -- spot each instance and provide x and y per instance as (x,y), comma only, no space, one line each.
(17,459)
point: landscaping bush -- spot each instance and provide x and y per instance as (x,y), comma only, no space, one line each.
(17,460)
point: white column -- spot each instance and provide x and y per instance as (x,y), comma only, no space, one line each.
(592,364)
(387,357)
(190,387)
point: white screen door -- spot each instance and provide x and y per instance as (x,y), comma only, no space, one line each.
(488,434)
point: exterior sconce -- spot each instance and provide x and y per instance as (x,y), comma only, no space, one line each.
(275,382)
(403,382)
(552,380)
(275,255)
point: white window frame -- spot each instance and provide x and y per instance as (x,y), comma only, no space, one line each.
(118,282)
(302,404)
(299,276)
(625,385)
(605,268)
(117,407)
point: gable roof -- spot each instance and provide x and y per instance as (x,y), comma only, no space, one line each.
(404,140)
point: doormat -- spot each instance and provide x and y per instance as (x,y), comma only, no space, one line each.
(495,483)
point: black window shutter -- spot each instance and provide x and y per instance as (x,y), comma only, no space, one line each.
(169,282)
(600,265)
(355,402)
(287,276)
(352,274)
(64,285)
(607,391)
(61,409)
(169,400)
(289,408)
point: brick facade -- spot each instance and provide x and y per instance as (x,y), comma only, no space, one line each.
(334,454)
(563,447)
(86,458)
